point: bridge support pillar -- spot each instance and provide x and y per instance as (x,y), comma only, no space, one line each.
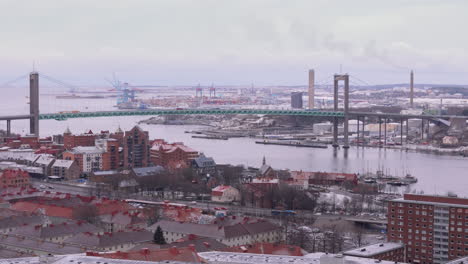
(8,132)
(422,129)
(401,132)
(385,131)
(380,132)
(407,129)
(344,78)
(363,130)
(335,108)
(34,103)
(357,140)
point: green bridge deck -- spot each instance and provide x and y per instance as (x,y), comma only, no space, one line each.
(63,116)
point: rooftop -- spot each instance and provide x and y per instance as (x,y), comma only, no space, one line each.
(374,249)
(217,231)
(78,258)
(314,258)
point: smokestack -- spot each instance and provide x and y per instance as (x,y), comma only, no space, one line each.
(411,89)
(311,88)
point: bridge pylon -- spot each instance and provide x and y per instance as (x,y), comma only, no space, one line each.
(34,103)
(337,78)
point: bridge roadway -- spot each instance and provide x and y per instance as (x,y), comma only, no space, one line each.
(318,113)
(63,116)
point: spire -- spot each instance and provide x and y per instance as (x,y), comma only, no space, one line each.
(119,130)
(67,131)
(264,161)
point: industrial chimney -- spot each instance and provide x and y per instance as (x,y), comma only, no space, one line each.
(311,89)
(411,89)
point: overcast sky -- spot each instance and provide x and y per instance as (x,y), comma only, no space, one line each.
(265,42)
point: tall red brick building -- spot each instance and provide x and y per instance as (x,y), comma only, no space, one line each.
(111,157)
(84,140)
(434,229)
(136,148)
(172,156)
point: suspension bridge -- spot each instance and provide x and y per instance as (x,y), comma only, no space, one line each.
(336,114)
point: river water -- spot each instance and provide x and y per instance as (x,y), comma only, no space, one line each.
(436,174)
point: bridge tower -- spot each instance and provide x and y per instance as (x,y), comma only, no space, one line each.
(34,103)
(337,79)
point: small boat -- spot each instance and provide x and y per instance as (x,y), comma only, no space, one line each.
(397,183)
(370,180)
(409,179)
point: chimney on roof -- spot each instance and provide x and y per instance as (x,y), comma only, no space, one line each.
(174,250)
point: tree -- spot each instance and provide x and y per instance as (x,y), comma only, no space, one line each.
(159,237)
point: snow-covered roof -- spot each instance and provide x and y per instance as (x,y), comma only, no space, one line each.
(62,163)
(314,258)
(374,249)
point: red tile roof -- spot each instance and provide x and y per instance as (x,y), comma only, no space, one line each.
(268,248)
(172,254)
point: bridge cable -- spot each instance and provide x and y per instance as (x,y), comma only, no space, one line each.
(14,80)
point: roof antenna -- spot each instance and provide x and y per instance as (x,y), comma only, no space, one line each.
(34,66)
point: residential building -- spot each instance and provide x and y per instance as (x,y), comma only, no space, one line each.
(182,255)
(111,156)
(88,159)
(316,258)
(323,178)
(45,162)
(172,156)
(200,244)
(434,229)
(225,194)
(71,141)
(14,222)
(204,165)
(268,248)
(111,241)
(66,169)
(136,148)
(14,178)
(384,251)
(38,247)
(241,233)
(57,232)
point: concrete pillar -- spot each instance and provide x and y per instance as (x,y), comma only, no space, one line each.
(380,131)
(385,131)
(335,108)
(311,89)
(401,131)
(34,103)
(357,142)
(346,111)
(363,129)
(422,129)
(8,128)
(411,88)
(407,129)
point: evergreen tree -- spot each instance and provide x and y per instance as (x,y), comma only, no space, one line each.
(159,237)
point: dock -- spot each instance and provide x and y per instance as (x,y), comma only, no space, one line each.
(292,144)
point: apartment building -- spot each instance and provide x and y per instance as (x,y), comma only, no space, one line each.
(434,229)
